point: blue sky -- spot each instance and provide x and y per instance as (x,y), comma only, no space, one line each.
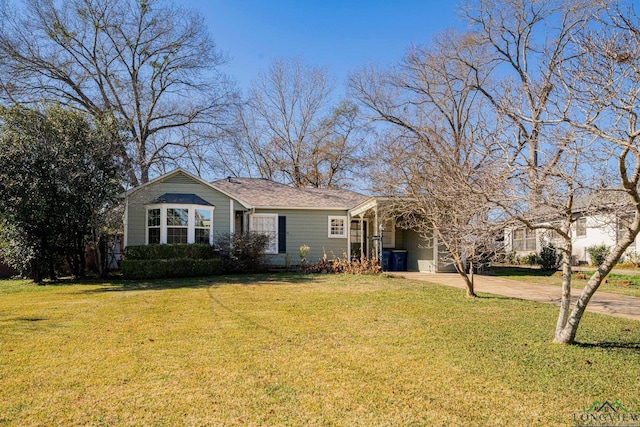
(339,35)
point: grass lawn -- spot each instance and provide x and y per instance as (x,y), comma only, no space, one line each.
(623,284)
(300,350)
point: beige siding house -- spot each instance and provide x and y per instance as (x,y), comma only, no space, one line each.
(179,207)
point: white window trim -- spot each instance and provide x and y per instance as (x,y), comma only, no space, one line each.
(345,227)
(191,225)
(272,249)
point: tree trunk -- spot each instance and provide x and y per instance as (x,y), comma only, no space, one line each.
(467,280)
(99,257)
(52,270)
(35,272)
(565,301)
(567,334)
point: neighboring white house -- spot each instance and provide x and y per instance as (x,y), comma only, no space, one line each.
(587,230)
(179,207)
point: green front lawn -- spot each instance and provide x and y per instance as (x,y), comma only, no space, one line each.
(300,350)
(623,284)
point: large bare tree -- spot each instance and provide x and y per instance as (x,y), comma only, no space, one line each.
(531,44)
(526,43)
(292,130)
(603,82)
(150,64)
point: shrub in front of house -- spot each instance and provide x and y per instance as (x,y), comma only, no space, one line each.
(243,252)
(170,268)
(531,259)
(549,257)
(169,261)
(598,254)
(149,252)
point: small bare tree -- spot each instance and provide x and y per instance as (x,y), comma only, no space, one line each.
(437,159)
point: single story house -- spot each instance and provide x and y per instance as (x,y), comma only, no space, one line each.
(179,207)
(592,226)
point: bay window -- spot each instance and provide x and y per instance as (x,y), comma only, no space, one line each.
(173,223)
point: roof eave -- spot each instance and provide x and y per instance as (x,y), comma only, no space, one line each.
(304,208)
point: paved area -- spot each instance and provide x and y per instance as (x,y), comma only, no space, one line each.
(601,302)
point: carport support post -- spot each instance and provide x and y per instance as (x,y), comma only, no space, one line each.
(435,253)
(362,242)
(348,225)
(379,242)
(380,248)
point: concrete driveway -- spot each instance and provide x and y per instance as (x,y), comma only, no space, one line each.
(601,302)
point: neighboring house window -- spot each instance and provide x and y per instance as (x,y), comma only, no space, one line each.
(524,240)
(338,226)
(173,224)
(266,224)
(581,227)
(153,226)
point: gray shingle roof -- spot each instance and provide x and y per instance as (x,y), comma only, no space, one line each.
(263,193)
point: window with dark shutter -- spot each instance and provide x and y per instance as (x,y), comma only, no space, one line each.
(282,234)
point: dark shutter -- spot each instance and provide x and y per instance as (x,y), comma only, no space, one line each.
(282,234)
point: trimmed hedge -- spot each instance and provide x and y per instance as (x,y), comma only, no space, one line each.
(149,252)
(165,268)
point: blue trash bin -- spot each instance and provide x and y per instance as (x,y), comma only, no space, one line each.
(386,260)
(399,260)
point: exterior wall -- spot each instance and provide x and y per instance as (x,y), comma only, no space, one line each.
(421,257)
(600,231)
(419,253)
(399,239)
(136,211)
(308,227)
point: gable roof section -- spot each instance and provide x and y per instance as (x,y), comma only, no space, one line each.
(180,174)
(263,193)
